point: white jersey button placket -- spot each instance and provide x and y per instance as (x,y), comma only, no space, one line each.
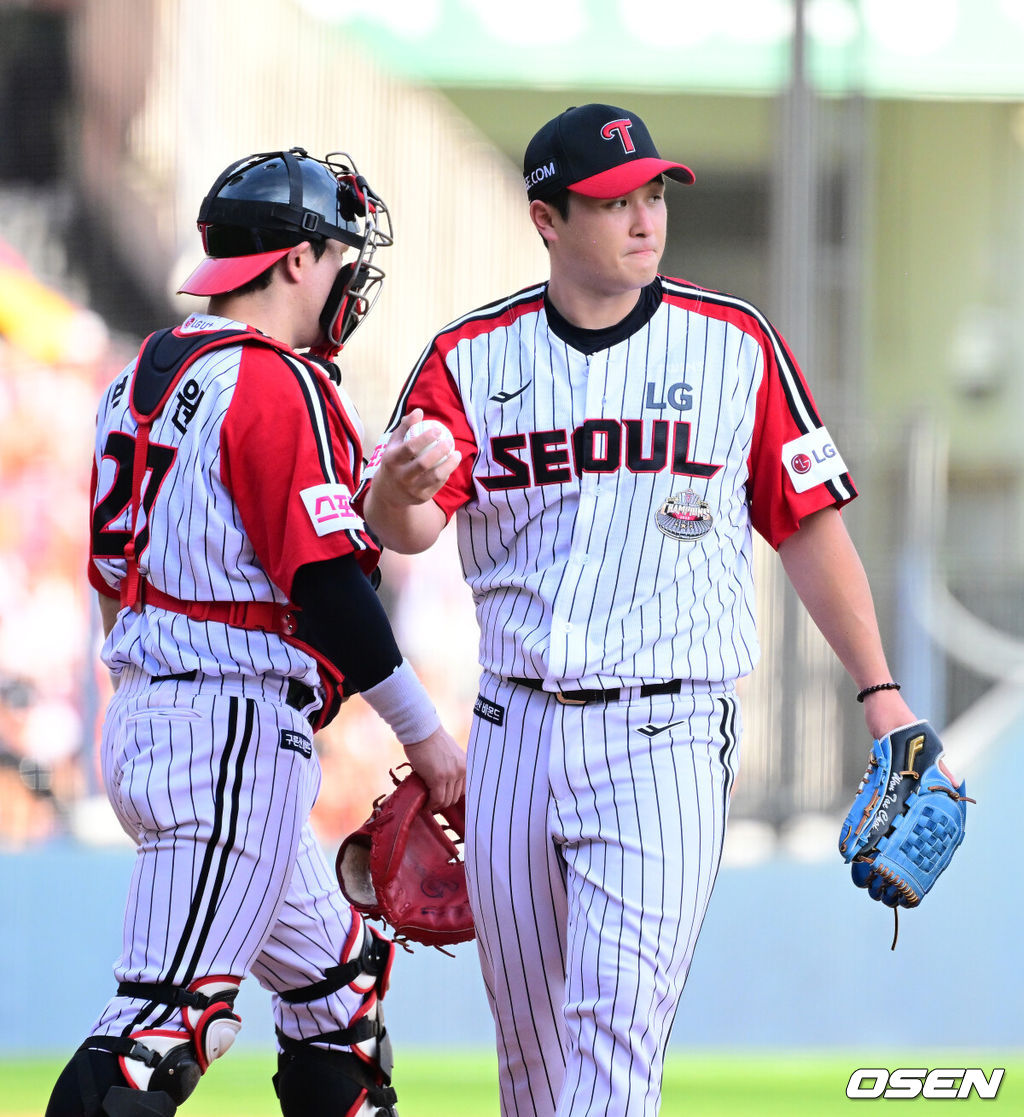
(574,604)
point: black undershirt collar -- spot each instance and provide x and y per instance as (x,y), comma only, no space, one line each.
(592,341)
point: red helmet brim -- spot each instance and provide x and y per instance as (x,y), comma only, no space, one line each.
(217,276)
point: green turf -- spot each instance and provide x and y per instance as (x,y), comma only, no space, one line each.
(463,1085)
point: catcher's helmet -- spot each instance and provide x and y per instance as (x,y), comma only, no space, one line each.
(263,205)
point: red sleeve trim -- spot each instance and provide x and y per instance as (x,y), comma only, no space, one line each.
(288,456)
(785,413)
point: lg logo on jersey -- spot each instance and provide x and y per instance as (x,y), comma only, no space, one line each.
(870,1082)
(812,459)
(801,463)
(597,446)
(678,396)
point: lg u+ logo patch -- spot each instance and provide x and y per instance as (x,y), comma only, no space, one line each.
(906,1083)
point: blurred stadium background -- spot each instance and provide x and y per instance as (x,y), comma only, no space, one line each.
(860,176)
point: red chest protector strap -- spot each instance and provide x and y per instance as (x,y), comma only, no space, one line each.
(267,616)
(163,360)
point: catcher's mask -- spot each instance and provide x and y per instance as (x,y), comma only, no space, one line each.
(262,206)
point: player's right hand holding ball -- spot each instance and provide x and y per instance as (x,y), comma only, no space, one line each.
(420,457)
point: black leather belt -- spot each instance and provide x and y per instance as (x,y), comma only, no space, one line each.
(584,697)
(299,696)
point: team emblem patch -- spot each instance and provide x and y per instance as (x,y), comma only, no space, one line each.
(683,517)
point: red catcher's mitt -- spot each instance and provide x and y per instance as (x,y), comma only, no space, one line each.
(402,866)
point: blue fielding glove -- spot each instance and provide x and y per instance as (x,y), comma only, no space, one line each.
(907,820)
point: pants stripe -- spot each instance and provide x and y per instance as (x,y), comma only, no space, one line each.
(203,903)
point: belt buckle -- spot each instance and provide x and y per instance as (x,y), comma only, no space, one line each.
(567,701)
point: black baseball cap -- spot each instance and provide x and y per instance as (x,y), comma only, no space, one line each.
(597,150)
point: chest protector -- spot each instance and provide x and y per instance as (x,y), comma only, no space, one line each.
(163,360)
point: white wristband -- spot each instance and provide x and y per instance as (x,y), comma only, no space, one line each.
(404,704)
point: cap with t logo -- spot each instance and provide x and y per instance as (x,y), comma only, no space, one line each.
(597,150)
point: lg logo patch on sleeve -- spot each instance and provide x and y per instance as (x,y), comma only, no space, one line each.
(812,459)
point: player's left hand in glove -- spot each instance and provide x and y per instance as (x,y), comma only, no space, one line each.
(907,820)
(404,866)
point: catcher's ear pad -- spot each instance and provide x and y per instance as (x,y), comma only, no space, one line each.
(354,873)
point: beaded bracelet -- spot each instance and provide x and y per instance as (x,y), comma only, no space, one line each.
(878,686)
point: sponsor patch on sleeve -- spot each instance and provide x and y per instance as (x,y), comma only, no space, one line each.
(812,459)
(330,509)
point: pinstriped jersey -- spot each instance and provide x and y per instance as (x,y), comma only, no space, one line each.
(252,464)
(611,480)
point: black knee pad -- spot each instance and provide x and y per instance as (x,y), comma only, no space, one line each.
(92,1085)
(314,1082)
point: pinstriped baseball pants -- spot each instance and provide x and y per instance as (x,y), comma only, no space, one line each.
(594,836)
(214,783)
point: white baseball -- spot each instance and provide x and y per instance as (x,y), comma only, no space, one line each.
(440,432)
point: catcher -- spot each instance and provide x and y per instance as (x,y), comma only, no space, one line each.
(234,582)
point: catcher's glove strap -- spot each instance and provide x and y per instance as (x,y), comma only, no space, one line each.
(373,958)
(612,694)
